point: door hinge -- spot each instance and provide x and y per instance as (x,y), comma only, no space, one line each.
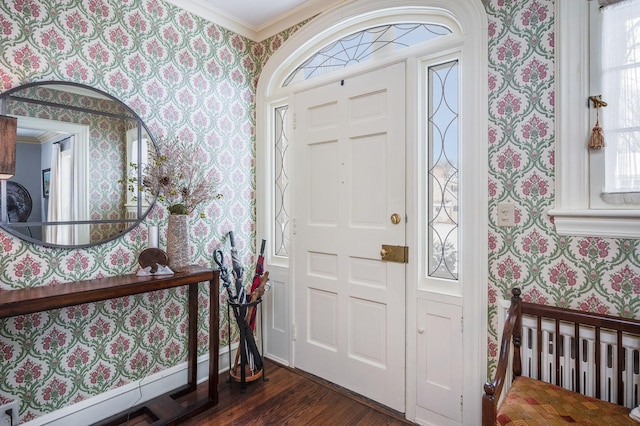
(461,324)
(293,121)
(461,403)
(294,332)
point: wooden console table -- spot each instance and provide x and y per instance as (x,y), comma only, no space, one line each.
(164,409)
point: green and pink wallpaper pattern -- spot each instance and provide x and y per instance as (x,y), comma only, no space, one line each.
(190,78)
(185,77)
(590,274)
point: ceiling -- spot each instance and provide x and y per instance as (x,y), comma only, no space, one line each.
(256,19)
(254,13)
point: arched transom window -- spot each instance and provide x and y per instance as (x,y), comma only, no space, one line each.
(363,46)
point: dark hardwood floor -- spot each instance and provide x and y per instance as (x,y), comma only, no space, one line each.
(289,397)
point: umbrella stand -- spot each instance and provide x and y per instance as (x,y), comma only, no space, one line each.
(250,318)
(251,365)
(247,348)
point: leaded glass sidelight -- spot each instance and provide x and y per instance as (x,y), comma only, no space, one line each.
(281,181)
(442,178)
(363,46)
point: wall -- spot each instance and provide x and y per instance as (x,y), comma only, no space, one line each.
(191,78)
(590,274)
(185,77)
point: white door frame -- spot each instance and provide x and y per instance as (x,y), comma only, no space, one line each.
(471,17)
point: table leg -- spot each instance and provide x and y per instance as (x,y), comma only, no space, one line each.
(192,338)
(214,340)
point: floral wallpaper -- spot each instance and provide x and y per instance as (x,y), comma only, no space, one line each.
(186,77)
(590,274)
(190,78)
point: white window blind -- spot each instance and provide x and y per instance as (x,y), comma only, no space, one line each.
(620,81)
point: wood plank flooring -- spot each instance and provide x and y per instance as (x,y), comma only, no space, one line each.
(289,397)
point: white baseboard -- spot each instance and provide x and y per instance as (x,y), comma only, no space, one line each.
(117,400)
(277,359)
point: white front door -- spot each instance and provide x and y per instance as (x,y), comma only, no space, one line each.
(349,165)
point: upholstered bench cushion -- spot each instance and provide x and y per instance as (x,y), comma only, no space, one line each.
(531,402)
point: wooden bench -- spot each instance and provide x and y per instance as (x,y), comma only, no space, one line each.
(533,401)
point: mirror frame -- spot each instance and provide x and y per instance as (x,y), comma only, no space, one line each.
(141,127)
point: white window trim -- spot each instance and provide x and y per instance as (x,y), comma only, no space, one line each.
(572,213)
(453,287)
(278,260)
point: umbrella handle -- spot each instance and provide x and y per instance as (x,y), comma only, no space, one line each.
(218,258)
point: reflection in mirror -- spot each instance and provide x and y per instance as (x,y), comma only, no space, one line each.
(136,160)
(73,152)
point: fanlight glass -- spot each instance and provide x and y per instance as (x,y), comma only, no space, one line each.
(363,46)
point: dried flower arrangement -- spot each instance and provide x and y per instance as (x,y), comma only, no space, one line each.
(179,177)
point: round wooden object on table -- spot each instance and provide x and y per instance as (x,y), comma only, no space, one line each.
(153,257)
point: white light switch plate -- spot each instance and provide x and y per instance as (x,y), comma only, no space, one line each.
(506,214)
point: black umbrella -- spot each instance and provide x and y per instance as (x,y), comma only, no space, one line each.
(248,349)
(238,271)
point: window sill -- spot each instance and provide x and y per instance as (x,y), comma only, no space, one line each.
(597,223)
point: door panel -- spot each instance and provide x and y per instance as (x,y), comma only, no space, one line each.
(323,312)
(323,169)
(367,203)
(440,367)
(350,178)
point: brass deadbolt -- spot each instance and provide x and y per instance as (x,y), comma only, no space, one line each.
(394,253)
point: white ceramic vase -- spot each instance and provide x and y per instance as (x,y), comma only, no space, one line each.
(178,241)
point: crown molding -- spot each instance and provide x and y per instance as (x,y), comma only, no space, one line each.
(296,15)
(216,16)
(307,10)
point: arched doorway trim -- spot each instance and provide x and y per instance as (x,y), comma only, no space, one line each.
(469,20)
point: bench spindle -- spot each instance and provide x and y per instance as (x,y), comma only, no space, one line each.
(620,369)
(598,364)
(557,348)
(576,356)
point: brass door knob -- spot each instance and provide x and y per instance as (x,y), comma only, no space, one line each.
(395,218)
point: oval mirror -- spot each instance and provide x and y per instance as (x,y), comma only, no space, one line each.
(77,150)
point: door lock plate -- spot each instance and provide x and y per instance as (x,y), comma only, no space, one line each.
(398,254)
